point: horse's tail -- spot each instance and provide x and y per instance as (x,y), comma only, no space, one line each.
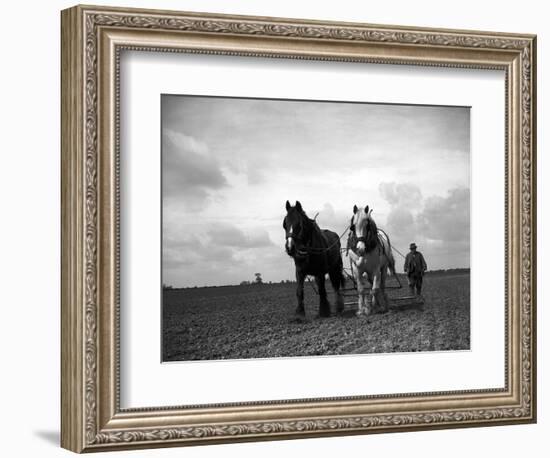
(342,278)
(391,262)
(336,275)
(389,254)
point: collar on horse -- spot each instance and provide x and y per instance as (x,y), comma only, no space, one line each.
(306,250)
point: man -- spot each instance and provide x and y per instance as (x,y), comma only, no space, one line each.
(415,266)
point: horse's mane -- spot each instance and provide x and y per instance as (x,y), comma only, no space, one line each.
(372,235)
(315,229)
(317,239)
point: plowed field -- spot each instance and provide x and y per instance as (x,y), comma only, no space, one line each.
(257,321)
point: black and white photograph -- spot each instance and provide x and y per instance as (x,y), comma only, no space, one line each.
(303,228)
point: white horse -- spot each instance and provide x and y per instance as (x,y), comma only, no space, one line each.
(371,254)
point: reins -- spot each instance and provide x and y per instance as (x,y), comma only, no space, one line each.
(304,251)
(358,239)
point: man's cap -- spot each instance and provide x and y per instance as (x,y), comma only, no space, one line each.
(412,245)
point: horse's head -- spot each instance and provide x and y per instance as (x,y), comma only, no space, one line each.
(365,229)
(297,228)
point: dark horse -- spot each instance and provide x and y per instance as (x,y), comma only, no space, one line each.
(315,252)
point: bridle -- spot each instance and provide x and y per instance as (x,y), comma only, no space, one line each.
(299,238)
(364,238)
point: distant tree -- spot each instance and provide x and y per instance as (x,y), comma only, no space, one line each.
(258,280)
(245,283)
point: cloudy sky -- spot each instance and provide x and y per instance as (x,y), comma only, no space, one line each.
(229,165)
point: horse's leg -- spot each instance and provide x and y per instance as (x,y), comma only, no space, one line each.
(300,310)
(383,295)
(324,306)
(337,282)
(361,302)
(369,301)
(375,292)
(357,280)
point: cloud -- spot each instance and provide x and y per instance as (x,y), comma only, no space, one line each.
(229,235)
(403,199)
(191,250)
(400,222)
(184,254)
(226,266)
(236,161)
(222,252)
(440,225)
(447,218)
(401,194)
(328,218)
(190,172)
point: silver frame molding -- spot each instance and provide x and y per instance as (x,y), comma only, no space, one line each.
(92,39)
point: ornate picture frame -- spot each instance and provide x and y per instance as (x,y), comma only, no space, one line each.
(92,41)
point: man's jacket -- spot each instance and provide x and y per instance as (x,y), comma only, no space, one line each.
(415,263)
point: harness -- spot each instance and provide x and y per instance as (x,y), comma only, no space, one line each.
(306,248)
(353,240)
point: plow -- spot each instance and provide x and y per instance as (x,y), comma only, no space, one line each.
(394,289)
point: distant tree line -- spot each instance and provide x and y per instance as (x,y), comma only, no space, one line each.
(465,270)
(259,281)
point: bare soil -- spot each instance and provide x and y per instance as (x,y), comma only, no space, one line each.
(258,321)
